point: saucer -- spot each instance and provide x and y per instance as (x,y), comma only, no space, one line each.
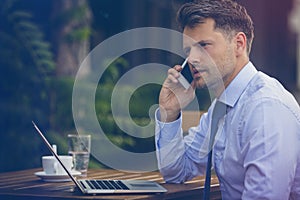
(55,177)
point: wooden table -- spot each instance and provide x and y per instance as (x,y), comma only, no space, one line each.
(25,185)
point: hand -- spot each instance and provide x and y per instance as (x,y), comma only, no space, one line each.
(173,96)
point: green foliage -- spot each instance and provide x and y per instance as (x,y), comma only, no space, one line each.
(29,36)
(60,96)
(25,62)
(30,91)
(77,19)
(74,14)
(114,71)
(79,34)
(61,110)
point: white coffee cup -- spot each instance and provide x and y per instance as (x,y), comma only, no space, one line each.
(53,167)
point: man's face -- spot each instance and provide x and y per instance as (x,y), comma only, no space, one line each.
(211,56)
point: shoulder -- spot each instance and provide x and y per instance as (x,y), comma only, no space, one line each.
(264,91)
(267,111)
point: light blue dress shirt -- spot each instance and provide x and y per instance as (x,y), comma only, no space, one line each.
(256,154)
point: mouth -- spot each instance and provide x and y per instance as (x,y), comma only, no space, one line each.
(198,73)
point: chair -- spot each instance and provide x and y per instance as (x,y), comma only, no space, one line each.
(190,118)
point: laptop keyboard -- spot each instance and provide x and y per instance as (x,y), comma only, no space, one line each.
(107,184)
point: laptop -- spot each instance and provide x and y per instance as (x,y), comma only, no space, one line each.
(89,186)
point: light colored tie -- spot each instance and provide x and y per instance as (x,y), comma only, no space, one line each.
(218,112)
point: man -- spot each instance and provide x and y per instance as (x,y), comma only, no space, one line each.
(256,148)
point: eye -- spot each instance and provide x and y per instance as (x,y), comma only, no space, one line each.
(203,44)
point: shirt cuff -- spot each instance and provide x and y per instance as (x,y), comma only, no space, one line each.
(167,130)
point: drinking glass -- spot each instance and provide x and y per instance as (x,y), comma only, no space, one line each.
(79,149)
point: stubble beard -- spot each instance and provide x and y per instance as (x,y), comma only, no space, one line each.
(218,74)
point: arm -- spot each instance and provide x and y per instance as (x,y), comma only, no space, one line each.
(178,157)
(270,150)
(170,147)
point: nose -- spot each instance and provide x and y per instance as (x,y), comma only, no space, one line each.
(194,56)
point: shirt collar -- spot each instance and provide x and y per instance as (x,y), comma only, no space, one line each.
(235,89)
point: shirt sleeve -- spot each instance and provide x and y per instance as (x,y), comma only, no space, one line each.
(178,156)
(270,150)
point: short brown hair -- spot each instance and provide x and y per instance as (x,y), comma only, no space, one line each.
(228,15)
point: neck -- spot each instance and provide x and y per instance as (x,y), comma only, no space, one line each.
(223,84)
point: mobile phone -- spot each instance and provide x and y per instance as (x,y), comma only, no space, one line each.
(186,77)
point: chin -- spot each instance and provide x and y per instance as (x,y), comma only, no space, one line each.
(200,84)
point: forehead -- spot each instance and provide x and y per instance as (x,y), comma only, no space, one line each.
(202,31)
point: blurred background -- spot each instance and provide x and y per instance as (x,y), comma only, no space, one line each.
(42,44)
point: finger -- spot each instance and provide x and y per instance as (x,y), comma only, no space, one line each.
(193,84)
(177,68)
(173,72)
(171,78)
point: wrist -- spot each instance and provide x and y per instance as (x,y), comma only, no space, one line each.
(168,115)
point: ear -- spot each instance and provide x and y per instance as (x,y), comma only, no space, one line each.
(241,43)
